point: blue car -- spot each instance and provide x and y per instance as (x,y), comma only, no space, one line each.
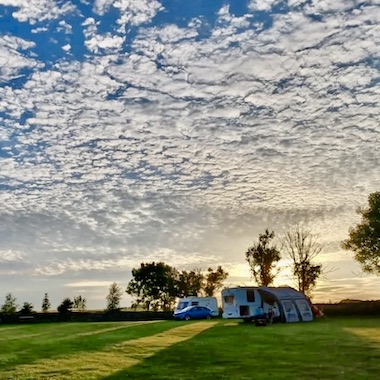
(193,312)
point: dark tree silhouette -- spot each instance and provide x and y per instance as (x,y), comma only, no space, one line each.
(364,238)
(9,306)
(154,285)
(80,303)
(66,306)
(262,258)
(114,297)
(190,283)
(45,304)
(27,308)
(214,280)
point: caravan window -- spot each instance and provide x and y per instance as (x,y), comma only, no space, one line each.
(250,296)
(229,299)
(195,303)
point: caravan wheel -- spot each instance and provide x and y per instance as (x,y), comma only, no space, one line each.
(208,316)
(187,318)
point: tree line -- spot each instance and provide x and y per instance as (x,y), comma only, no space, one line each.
(10,305)
(156,286)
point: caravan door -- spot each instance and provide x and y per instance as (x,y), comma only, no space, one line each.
(290,311)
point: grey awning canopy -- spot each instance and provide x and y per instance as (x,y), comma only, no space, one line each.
(285,293)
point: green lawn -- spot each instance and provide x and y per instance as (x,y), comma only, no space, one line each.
(217,349)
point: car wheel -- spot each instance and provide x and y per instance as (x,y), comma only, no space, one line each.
(208,316)
(187,318)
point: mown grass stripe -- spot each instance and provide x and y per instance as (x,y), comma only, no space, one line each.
(370,334)
(87,333)
(98,364)
(109,329)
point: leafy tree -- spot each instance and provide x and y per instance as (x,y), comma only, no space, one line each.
(154,285)
(302,247)
(66,306)
(27,308)
(45,303)
(190,283)
(262,258)
(10,305)
(114,296)
(80,303)
(364,238)
(214,280)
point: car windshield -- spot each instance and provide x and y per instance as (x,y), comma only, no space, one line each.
(187,309)
(181,305)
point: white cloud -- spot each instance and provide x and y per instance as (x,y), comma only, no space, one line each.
(262,5)
(107,43)
(38,10)
(136,12)
(121,263)
(102,6)
(39,30)
(7,256)
(12,61)
(132,12)
(89,284)
(65,27)
(329,6)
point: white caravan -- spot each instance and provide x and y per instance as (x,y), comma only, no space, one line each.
(251,303)
(209,302)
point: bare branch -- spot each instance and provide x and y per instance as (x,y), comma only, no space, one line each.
(302,247)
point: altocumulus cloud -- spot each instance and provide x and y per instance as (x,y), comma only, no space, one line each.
(150,130)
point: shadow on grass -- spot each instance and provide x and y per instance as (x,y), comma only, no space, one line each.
(324,349)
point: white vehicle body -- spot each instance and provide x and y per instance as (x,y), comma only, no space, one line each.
(250,303)
(209,302)
(243,303)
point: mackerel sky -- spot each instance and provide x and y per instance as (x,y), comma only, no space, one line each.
(177,131)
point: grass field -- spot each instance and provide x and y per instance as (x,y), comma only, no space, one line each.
(216,349)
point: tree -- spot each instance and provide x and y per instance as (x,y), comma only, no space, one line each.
(114,296)
(66,306)
(27,308)
(214,280)
(190,283)
(10,305)
(80,303)
(302,247)
(45,303)
(364,238)
(154,285)
(262,259)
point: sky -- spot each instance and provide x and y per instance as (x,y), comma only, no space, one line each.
(172,130)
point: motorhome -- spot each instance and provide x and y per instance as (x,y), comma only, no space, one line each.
(255,303)
(209,302)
